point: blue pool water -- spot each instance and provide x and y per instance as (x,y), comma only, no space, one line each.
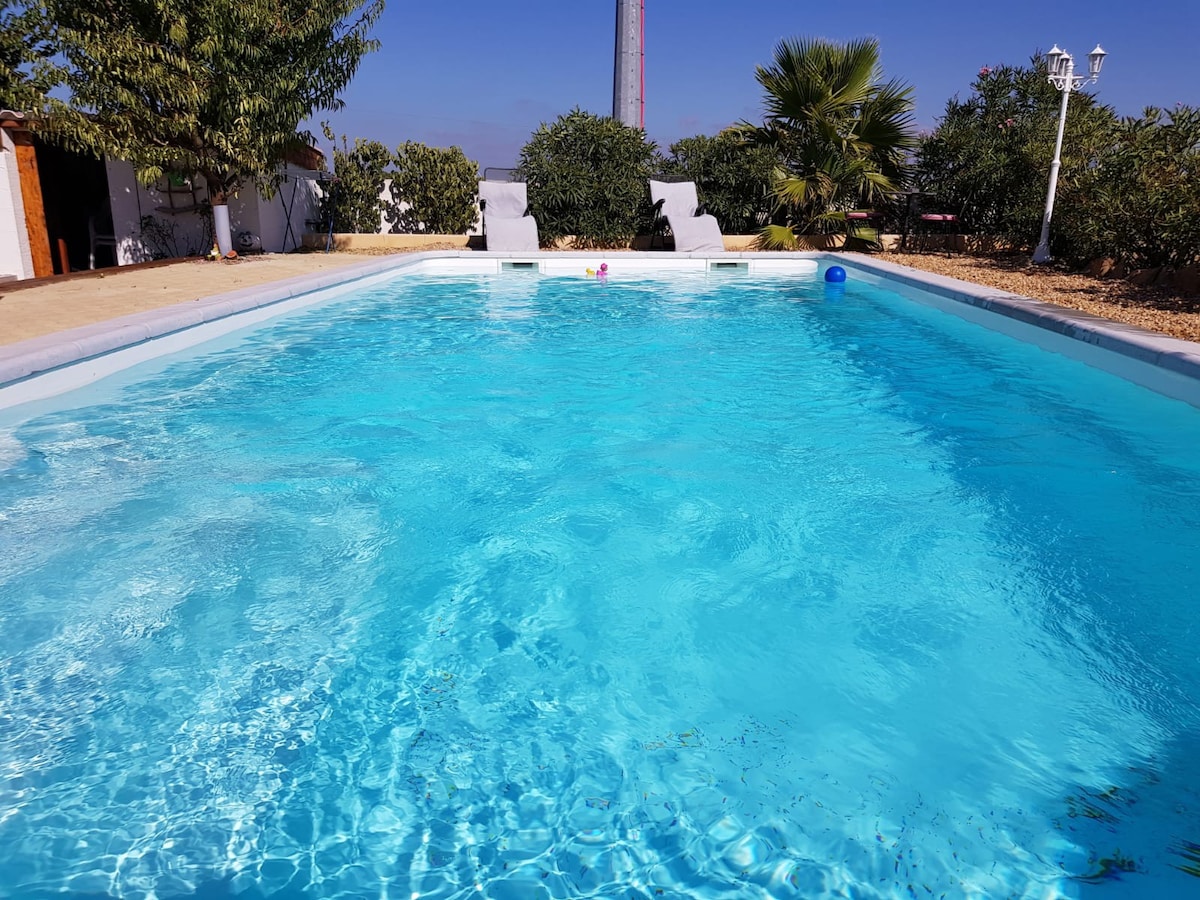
(521,587)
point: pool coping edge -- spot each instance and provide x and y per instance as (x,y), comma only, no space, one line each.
(1151,347)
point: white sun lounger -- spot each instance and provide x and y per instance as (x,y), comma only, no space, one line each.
(507,224)
(676,202)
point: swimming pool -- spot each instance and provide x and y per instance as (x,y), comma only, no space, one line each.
(524,586)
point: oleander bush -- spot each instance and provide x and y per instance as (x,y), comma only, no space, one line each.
(734,178)
(353,201)
(433,190)
(588,176)
(1139,203)
(1128,188)
(990,155)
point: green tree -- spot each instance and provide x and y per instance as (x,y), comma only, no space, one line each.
(990,154)
(355,202)
(734,179)
(26,53)
(588,176)
(217,87)
(438,185)
(841,132)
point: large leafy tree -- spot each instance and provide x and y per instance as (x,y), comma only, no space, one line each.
(842,132)
(990,153)
(27,70)
(217,87)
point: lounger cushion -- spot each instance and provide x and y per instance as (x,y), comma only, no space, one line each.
(678,197)
(505,225)
(511,234)
(696,234)
(693,233)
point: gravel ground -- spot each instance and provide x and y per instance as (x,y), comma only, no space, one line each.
(388,251)
(1113,298)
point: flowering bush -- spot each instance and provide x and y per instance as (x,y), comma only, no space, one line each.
(1139,203)
(588,176)
(990,154)
(734,179)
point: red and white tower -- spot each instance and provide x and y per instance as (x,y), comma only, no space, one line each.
(629,69)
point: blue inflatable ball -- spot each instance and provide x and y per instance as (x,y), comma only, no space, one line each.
(835,274)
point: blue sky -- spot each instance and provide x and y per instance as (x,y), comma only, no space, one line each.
(484,74)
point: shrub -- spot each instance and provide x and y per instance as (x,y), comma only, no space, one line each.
(438,185)
(990,154)
(1127,189)
(588,177)
(1139,203)
(734,179)
(353,200)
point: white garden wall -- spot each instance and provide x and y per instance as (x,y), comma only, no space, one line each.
(145,225)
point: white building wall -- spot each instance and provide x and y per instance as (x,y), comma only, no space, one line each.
(296,201)
(190,233)
(15,256)
(143,223)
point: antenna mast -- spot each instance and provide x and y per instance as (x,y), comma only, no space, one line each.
(629,69)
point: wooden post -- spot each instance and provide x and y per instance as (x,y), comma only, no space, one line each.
(35,207)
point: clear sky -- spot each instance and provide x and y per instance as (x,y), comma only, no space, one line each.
(483,74)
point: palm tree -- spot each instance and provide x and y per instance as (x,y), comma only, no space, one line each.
(841,133)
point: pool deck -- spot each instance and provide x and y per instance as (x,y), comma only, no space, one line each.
(35,308)
(26,360)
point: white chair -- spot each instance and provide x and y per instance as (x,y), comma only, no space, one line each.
(676,202)
(98,240)
(507,224)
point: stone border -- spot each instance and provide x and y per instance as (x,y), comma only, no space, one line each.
(34,358)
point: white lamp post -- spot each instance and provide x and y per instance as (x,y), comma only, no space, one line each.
(1063,77)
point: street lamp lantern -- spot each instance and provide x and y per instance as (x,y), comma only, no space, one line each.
(1060,66)
(1053,58)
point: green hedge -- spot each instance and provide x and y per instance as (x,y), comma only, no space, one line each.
(438,185)
(588,176)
